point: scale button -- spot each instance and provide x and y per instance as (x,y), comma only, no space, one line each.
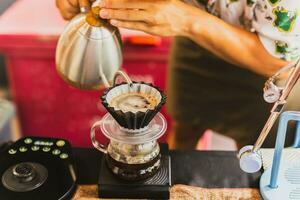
(60,143)
(22,149)
(28,141)
(12,151)
(56,152)
(35,148)
(46,149)
(64,156)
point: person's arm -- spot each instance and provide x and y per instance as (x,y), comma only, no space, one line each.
(175,18)
(233,44)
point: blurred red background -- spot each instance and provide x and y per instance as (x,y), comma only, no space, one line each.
(46,105)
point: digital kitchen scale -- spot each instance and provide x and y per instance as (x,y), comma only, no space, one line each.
(155,187)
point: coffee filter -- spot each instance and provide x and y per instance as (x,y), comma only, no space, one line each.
(133,120)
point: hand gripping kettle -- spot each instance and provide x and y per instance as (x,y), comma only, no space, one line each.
(89,51)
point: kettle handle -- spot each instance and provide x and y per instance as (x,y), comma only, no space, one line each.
(97,144)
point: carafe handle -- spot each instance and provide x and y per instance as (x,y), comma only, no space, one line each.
(97,144)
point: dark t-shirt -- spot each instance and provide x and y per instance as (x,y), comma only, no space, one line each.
(212,93)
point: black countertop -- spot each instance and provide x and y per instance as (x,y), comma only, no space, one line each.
(209,169)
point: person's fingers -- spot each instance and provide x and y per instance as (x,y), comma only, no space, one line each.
(69,12)
(73,3)
(131,25)
(126,15)
(119,4)
(69,15)
(81,3)
(84,5)
(67,8)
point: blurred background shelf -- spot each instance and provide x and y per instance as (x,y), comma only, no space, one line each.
(9,125)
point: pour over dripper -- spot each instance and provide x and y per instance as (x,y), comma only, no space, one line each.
(128,119)
(89,52)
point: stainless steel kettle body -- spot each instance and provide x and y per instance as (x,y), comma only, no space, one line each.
(88,56)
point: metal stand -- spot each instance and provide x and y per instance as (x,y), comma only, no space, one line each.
(279,103)
(250,160)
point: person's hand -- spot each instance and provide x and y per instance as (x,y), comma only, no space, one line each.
(158,17)
(70,8)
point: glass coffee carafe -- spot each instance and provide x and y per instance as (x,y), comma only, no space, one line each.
(131,154)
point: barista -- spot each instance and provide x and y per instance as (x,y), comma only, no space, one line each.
(222,54)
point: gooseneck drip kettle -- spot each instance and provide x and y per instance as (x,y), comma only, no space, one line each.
(89,51)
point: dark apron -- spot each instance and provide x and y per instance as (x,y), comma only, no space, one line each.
(205,92)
